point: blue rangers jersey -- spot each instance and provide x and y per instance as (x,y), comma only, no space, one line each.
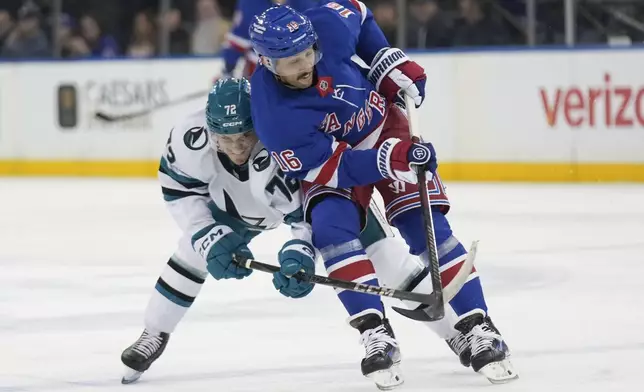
(322,134)
(237,40)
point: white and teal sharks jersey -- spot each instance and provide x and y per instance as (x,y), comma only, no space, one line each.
(201,186)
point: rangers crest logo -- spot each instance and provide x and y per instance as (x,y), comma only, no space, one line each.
(292,26)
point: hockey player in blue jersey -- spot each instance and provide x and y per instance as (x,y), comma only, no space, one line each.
(340,129)
(237,43)
(223,190)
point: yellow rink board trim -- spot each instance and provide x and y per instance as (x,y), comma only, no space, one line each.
(79,168)
(450,171)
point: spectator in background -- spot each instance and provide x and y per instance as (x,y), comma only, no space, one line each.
(179,36)
(143,41)
(6,25)
(72,45)
(384,12)
(210,28)
(476,28)
(428,26)
(27,39)
(100,45)
(65,38)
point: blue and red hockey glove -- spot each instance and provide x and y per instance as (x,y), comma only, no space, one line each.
(394,74)
(396,159)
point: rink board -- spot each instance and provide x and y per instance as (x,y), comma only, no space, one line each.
(553,115)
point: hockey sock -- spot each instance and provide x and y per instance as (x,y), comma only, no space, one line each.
(174,293)
(451,256)
(336,228)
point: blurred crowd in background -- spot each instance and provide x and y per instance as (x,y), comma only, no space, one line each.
(134,28)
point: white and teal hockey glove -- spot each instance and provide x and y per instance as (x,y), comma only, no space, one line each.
(217,244)
(295,256)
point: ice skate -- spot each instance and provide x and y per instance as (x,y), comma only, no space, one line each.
(488,353)
(461,347)
(382,354)
(139,356)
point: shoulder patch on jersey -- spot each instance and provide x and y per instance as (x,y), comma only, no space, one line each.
(261,161)
(195,138)
(325,85)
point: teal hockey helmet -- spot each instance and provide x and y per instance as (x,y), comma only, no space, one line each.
(228,108)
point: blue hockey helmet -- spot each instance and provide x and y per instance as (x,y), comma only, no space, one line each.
(282,32)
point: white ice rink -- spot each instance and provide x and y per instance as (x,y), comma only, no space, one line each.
(562,266)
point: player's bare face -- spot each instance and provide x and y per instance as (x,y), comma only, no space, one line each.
(297,71)
(237,147)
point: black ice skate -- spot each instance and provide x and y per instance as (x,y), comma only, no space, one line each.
(488,353)
(461,346)
(382,355)
(140,355)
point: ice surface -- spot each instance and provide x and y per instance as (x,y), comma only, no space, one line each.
(562,266)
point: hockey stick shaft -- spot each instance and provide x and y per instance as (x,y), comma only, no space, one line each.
(430,237)
(122,117)
(427,299)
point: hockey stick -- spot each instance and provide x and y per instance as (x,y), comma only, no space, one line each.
(439,294)
(449,291)
(427,299)
(121,117)
(435,311)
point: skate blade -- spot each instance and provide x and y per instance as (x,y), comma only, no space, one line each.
(130,376)
(387,379)
(500,372)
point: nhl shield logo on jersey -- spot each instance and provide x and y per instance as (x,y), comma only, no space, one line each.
(195,138)
(325,85)
(261,161)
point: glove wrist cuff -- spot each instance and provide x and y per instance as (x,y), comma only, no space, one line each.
(205,238)
(299,246)
(385,155)
(384,61)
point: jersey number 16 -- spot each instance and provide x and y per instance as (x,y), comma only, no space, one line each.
(287,160)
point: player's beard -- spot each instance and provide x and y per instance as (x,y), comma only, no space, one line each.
(301,81)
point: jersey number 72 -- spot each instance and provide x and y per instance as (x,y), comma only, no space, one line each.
(287,186)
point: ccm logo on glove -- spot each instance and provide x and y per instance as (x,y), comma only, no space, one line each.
(215,234)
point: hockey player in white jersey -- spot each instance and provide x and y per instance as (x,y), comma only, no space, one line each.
(223,189)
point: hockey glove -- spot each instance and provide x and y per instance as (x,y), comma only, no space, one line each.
(295,256)
(396,159)
(217,247)
(394,74)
